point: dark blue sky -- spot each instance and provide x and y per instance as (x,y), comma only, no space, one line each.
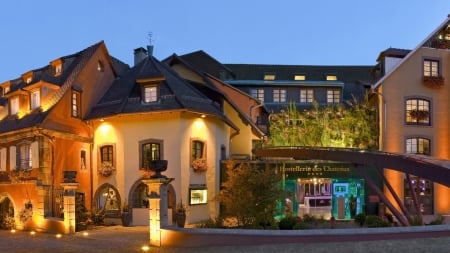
(319,32)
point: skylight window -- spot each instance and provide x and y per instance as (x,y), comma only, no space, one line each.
(331,78)
(269,77)
(299,77)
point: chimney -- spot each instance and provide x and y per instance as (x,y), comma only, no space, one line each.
(150,50)
(139,55)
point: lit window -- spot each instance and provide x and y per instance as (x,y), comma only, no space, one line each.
(417,111)
(333,96)
(331,78)
(431,68)
(150,94)
(198,149)
(258,94)
(83,159)
(75,104)
(14,105)
(279,95)
(269,77)
(100,66)
(24,157)
(299,77)
(5,90)
(150,152)
(28,80)
(418,146)
(58,69)
(35,99)
(106,155)
(306,95)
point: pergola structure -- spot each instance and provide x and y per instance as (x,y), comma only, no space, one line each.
(430,168)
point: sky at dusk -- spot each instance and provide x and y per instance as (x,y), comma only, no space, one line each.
(299,32)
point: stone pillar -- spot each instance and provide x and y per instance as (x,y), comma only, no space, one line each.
(158,207)
(69,207)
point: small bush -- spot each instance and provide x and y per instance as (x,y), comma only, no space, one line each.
(389,217)
(210,223)
(287,223)
(439,220)
(360,219)
(373,221)
(309,218)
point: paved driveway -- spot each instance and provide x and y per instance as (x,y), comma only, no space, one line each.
(113,239)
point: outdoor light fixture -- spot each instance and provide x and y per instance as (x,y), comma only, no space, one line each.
(85,233)
(145,248)
(32,233)
(13,231)
(58,236)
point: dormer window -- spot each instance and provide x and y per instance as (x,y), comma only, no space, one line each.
(27,77)
(14,102)
(331,77)
(28,80)
(6,90)
(58,69)
(35,99)
(299,77)
(150,93)
(269,77)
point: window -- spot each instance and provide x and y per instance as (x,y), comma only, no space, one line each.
(150,94)
(333,96)
(279,95)
(417,111)
(258,94)
(198,194)
(58,69)
(35,99)
(14,105)
(5,90)
(306,95)
(83,159)
(106,155)
(100,66)
(331,78)
(150,152)
(197,149)
(299,77)
(269,77)
(24,157)
(76,104)
(418,146)
(431,68)
(28,80)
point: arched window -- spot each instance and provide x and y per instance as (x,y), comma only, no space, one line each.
(417,111)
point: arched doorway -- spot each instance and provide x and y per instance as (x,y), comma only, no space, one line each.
(6,213)
(138,201)
(107,199)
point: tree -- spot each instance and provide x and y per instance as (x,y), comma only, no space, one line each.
(250,194)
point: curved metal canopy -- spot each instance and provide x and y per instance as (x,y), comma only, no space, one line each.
(436,170)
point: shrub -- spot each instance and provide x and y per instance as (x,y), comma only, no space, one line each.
(373,221)
(439,220)
(210,223)
(287,223)
(389,218)
(360,219)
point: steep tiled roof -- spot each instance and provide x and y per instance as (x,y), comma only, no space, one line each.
(72,65)
(124,95)
(202,61)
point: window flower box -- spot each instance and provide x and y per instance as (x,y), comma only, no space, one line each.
(199,165)
(106,169)
(18,174)
(419,114)
(433,81)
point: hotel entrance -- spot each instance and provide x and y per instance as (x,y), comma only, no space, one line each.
(323,190)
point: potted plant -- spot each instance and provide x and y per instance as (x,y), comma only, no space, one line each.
(126,215)
(106,169)
(199,165)
(433,81)
(180,214)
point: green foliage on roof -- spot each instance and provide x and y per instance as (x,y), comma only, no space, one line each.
(351,126)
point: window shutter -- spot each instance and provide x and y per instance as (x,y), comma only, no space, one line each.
(12,157)
(35,154)
(3,159)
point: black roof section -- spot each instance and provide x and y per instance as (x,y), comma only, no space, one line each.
(124,95)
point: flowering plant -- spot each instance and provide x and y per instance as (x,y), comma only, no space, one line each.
(199,164)
(7,222)
(433,81)
(25,215)
(106,169)
(18,174)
